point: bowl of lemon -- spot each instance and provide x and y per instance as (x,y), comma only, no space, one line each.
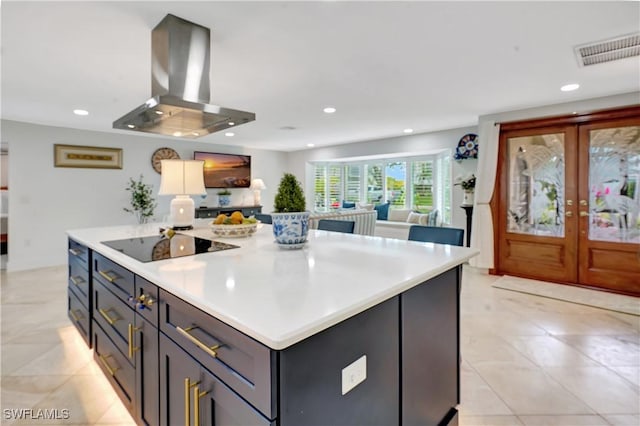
(234,226)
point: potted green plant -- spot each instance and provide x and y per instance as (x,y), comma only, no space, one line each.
(142,202)
(468,184)
(224,197)
(290,218)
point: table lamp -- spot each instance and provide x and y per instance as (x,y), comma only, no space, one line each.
(257,185)
(182,178)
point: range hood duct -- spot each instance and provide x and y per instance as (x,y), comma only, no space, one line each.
(179,105)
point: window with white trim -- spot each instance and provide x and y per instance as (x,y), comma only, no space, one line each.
(417,183)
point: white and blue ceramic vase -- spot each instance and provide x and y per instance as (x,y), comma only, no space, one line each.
(224,200)
(290,229)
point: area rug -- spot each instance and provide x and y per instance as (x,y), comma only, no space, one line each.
(582,296)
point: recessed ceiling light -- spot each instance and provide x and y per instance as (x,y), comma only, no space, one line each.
(408,130)
(159,112)
(80,112)
(231,123)
(195,133)
(229,134)
(311,145)
(131,126)
(570,87)
(177,134)
(329,110)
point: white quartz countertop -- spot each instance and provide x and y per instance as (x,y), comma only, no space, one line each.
(280,297)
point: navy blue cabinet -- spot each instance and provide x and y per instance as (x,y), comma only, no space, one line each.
(79,288)
(191,395)
(173,364)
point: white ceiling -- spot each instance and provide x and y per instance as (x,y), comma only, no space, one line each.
(385,66)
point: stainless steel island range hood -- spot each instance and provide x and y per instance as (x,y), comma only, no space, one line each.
(180,86)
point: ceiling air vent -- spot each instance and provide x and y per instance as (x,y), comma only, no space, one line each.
(608,50)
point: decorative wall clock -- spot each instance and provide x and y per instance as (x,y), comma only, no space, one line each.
(467,147)
(163,154)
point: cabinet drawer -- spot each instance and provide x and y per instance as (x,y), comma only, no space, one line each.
(79,280)
(115,366)
(250,211)
(79,252)
(204,213)
(116,278)
(245,365)
(146,300)
(116,318)
(79,316)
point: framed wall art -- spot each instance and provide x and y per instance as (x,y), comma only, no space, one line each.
(90,157)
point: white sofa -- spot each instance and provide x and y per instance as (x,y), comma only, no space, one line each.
(400,220)
(365,220)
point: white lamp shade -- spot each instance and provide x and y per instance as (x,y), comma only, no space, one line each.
(258,184)
(182,177)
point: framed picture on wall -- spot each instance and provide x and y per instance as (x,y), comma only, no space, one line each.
(90,157)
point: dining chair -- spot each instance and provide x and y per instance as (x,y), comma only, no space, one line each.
(345,226)
(264,218)
(437,234)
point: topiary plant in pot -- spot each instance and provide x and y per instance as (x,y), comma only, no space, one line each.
(290,218)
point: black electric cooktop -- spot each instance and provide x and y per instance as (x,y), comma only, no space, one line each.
(148,249)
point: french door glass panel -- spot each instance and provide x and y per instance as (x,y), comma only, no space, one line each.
(614,184)
(535,190)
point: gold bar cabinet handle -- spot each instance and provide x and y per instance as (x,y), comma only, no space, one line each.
(76,280)
(196,404)
(106,276)
(569,214)
(106,316)
(583,202)
(110,369)
(132,349)
(583,214)
(187,403)
(75,252)
(73,315)
(211,351)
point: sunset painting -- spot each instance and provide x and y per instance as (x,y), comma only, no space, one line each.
(225,170)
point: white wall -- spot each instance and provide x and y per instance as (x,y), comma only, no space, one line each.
(414,144)
(45,200)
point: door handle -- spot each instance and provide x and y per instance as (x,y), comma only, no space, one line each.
(187,403)
(583,202)
(569,214)
(569,202)
(584,214)
(210,350)
(130,330)
(196,404)
(187,399)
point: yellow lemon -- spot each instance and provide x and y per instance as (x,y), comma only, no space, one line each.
(220,218)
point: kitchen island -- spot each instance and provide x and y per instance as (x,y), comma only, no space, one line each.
(349,330)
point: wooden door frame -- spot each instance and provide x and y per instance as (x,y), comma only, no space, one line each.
(625,270)
(566,269)
(563,120)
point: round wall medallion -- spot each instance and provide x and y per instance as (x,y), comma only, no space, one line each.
(467,147)
(163,154)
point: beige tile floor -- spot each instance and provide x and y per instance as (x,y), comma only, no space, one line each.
(527,360)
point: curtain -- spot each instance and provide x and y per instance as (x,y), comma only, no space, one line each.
(482,222)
